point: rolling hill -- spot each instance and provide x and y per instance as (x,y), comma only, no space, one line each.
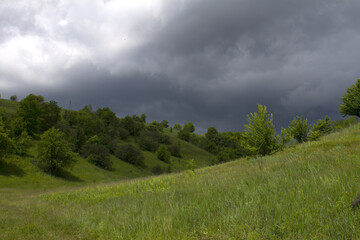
(303,192)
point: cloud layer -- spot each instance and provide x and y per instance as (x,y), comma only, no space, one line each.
(206,61)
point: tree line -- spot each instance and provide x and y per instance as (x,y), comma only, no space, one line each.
(95,135)
(260,138)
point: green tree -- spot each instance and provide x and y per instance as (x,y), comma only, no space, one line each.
(50,115)
(177,126)
(130,154)
(14,98)
(189,127)
(351,101)
(259,134)
(54,152)
(30,111)
(321,128)
(143,118)
(23,142)
(164,123)
(163,154)
(299,128)
(6,143)
(211,134)
(184,134)
(324,126)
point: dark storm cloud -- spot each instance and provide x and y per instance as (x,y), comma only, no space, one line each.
(210,62)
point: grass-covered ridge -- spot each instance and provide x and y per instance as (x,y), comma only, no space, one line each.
(304,192)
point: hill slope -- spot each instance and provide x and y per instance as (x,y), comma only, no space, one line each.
(300,193)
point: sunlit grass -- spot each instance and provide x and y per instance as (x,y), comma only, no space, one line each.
(301,193)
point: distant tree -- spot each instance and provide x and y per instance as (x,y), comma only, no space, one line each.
(143,118)
(50,115)
(299,128)
(177,126)
(14,98)
(260,135)
(164,124)
(184,134)
(130,154)
(223,156)
(6,143)
(157,170)
(133,126)
(351,101)
(324,126)
(54,151)
(30,111)
(321,128)
(147,143)
(285,137)
(175,150)
(97,154)
(163,154)
(23,142)
(189,127)
(211,134)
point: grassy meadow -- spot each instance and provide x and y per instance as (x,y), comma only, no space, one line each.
(303,192)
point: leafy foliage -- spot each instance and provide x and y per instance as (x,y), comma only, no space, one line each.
(30,111)
(54,152)
(260,135)
(23,142)
(130,154)
(299,128)
(163,154)
(351,101)
(97,154)
(6,143)
(14,98)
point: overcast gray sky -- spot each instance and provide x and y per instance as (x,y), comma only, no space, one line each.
(206,61)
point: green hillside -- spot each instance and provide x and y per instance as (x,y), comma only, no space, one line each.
(10,106)
(303,192)
(22,171)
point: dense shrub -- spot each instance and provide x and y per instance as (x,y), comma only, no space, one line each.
(130,154)
(175,150)
(54,152)
(97,154)
(157,170)
(163,154)
(299,128)
(259,134)
(147,143)
(351,101)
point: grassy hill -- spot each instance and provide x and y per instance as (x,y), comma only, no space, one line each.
(304,192)
(21,172)
(10,106)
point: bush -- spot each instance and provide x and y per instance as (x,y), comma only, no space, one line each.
(157,170)
(351,101)
(175,150)
(299,129)
(147,143)
(259,134)
(97,154)
(184,134)
(6,143)
(54,152)
(22,143)
(314,135)
(322,127)
(163,154)
(130,154)
(14,98)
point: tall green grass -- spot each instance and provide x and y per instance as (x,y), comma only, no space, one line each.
(304,192)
